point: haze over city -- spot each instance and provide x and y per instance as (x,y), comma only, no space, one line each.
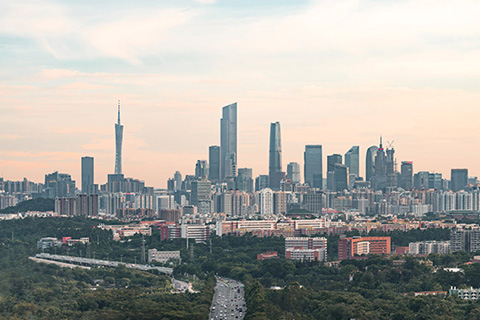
(323,69)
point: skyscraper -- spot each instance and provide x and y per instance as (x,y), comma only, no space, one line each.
(228,141)
(313,166)
(214,160)
(390,166)
(118,144)
(293,172)
(370,163)
(244,180)
(332,160)
(352,160)
(459,179)
(380,177)
(87,175)
(201,169)
(406,175)
(275,159)
(340,177)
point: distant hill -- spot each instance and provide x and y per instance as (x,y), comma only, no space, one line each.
(40,204)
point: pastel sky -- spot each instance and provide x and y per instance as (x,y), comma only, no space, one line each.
(333,72)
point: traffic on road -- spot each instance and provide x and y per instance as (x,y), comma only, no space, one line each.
(228,300)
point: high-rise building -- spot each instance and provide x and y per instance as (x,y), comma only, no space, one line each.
(244,180)
(459,179)
(59,185)
(118,144)
(228,141)
(177,178)
(352,160)
(370,163)
(380,177)
(406,175)
(390,166)
(420,180)
(201,169)
(293,172)
(435,181)
(214,160)
(87,175)
(332,160)
(275,156)
(261,182)
(462,239)
(200,192)
(340,177)
(313,166)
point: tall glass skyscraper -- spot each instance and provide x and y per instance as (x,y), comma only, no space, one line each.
(459,179)
(352,160)
(293,172)
(118,144)
(370,163)
(228,141)
(87,175)
(275,159)
(214,160)
(313,166)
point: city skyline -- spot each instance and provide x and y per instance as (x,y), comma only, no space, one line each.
(274,138)
(412,81)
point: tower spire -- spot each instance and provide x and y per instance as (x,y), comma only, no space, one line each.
(381,146)
(118,111)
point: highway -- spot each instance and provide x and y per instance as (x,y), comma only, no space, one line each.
(101,263)
(228,301)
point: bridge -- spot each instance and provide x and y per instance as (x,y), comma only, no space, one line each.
(101,263)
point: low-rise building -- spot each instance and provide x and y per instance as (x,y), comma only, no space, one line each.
(48,242)
(466,294)
(267,255)
(162,256)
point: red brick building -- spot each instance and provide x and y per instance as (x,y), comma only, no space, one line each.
(356,246)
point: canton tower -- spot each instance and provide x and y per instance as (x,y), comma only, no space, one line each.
(118,143)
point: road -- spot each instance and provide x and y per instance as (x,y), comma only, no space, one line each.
(101,263)
(228,301)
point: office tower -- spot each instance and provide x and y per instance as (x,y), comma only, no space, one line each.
(177,177)
(87,175)
(293,172)
(352,160)
(201,169)
(406,175)
(435,181)
(244,180)
(340,177)
(370,163)
(390,166)
(313,166)
(228,141)
(459,179)
(261,182)
(332,160)
(420,180)
(214,160)
(200,192)
(118,144)
(380,177)
(275,156)
(59,185)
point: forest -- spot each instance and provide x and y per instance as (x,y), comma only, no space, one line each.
(373,288)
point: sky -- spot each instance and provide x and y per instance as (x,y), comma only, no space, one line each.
(332,72)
